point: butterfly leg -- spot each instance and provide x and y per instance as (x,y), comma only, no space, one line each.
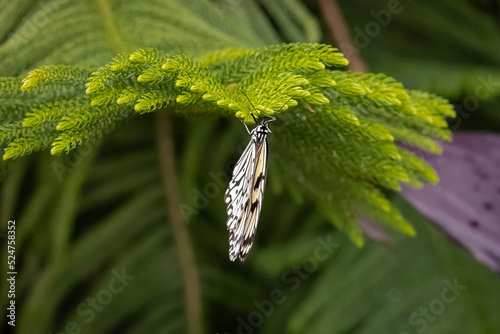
(246,127)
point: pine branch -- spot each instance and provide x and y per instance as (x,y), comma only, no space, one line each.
(334,19)
(345,123)
(179,228)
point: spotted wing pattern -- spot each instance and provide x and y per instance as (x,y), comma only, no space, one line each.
(245,193)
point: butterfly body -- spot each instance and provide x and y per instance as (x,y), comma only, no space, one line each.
(245,193)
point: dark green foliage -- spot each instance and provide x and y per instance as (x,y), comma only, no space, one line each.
(442,48)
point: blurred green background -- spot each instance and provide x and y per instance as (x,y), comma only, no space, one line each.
(95,252)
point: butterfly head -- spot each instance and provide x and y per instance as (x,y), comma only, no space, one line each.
(263,127)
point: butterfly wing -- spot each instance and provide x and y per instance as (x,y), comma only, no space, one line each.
(254,204)
(236,198)
(244,196)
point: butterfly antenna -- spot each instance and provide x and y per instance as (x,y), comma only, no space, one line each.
(272,118)
(242,92)
(250,111)
(284,104)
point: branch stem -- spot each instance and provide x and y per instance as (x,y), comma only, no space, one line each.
(338,29)
(182,239)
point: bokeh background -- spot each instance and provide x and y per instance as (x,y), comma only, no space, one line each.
(95,251)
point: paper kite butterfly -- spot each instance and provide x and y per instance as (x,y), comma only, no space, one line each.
(246,191)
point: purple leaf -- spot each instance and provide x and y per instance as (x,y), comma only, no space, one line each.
(466,202)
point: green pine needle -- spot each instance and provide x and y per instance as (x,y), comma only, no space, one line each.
(334,138)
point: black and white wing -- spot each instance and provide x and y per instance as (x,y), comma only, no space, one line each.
(244,196)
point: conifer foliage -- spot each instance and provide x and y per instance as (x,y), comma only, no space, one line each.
(335,136)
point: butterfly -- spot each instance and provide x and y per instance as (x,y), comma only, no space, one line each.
(246,191)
